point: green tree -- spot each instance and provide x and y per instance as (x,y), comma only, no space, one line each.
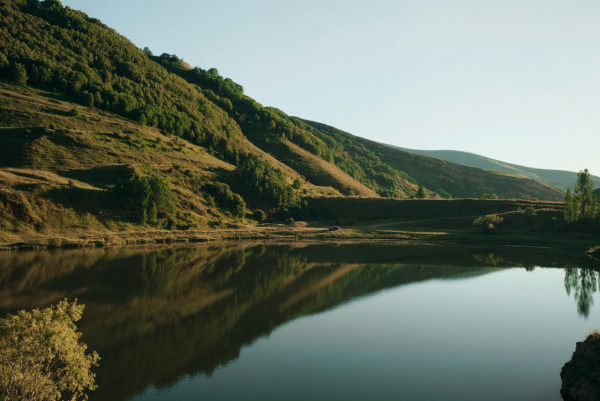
(586,200)
(225,198)
(420,193)
(41,357)
(570,212)
(19,74)
(148,199)
(264,184)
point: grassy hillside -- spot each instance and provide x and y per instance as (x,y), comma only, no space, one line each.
(389,173)
(98,136)
(560,179)
(449,178)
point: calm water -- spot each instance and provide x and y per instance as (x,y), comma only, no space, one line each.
(321,322)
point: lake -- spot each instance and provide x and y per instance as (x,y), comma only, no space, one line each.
(379,321)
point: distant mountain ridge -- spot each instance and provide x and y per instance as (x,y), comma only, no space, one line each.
(560,179)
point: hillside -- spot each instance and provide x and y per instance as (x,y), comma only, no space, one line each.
(447,178)
(560,179)
(98,136)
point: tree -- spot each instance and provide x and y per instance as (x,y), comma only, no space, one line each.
(41,357)
(584,196)
(570,211)
(420,193)
(148,199)
(19,74)
(583,203)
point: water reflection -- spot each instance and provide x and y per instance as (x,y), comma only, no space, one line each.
(583,283)
(156,315)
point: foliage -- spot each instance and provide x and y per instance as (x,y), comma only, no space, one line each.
(443,193)
(488,196)
(19,74)
(582,204)
(269,126)
(488,223)
(41,357)
(263,184)
(81,60)
(420,193)
(226,199)
(61,49)
(530,211)
(259,215)
(148,199)
(570,212)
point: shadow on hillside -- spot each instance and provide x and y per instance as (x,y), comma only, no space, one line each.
(14,144)
(102,176)
(82,200)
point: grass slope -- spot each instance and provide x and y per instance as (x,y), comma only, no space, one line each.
(560,179)
(82,108)
(457,180)
(56,169)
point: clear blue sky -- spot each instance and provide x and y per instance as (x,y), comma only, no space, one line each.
(518,80)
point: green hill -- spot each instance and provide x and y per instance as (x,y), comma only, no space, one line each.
(97,135)
(560,179)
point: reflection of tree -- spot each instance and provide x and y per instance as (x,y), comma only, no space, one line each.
(584,282)
(489,259)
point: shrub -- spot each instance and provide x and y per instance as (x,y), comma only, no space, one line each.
(148,199)
(41,357)
(530,211)
(259,215)
(225,198)
(443,193)
(488,223)
(488,196)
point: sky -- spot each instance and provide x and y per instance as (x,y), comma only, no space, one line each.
(517,81)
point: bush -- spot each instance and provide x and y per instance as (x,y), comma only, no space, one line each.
(488,196)
(225,198)
(488,223)
(443,193)
(41,357)
(259,215)
(148,199)
(530,211)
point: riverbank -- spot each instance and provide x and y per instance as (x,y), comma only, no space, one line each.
(300,231)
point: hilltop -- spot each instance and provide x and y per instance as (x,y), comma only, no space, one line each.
(98,136)
(560,179)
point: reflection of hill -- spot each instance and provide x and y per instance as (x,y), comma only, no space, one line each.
(157,314)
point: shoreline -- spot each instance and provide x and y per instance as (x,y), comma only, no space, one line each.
(300,233)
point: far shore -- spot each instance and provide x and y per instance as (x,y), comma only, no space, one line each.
(299,232)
